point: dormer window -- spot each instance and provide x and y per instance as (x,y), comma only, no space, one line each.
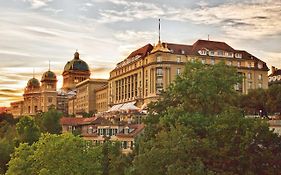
(182,52)
(238,55)
(220,53)
(158,59)
(211,53)
(229,54)
(202,52)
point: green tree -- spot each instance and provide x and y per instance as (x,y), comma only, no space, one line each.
(274,99)
(7,137)
(197,128)
(50,121)
(254,101)
(27,130)
(57,154)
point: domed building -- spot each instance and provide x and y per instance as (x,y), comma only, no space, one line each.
(75,71)
(31,97)
(38,98)
(48,90)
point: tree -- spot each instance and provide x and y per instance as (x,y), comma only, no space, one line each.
(254,101)
(50,121)
(57,154)
(197,128)
(27,130)
(7,137)
(274,99)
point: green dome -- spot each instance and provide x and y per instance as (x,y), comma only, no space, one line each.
(76,64)
(49,75)
(33,82)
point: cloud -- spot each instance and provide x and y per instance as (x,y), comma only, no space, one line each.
(129,11)
(38,3)
(254,19)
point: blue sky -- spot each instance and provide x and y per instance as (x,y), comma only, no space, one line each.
(32,32)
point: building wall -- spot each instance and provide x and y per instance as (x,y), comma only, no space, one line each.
(85,97)
(102,99)
(72,78)
(17,108)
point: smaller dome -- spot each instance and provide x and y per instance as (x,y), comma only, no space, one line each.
(33,82)
(49,75)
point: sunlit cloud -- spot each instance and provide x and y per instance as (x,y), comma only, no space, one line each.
(37,3)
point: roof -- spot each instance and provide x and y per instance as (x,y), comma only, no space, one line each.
(193,49)
(211,45)
(178,48)
(33,82)
(76,64)
(92,80)
(143,51)
(49,75)
(137,129)
(137,54)
(80,121)
(276,72)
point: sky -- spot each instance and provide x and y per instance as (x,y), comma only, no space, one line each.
(34,32)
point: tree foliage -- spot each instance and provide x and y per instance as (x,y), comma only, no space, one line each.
(56,154)
(50,121)
(268,100)
(196,128)
(28,131)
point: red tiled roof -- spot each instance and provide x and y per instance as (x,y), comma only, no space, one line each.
(80,121)
(138,128)
(143,51)
(178,48)
(276,72)
(211,45)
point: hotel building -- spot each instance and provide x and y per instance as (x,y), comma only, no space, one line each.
(147,71)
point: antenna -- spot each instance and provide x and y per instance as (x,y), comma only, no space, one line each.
(208,37)
(159,31)
(49,65)
(33,73)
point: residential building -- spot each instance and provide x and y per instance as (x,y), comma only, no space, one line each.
(98,130)
(275,76)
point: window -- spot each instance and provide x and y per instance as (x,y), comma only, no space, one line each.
(220,53)
(202,52)
(212,61)
(260,77)
(260,66)
(158,59)
(229,54)
(238,55)
(50,99)
(159,71)
(182,52)
(260,85)
(238,64)
(203,60)
(159,82)
(178,71)
(249,76)
(229,63)
(178,59)
(250,85)
(211,53)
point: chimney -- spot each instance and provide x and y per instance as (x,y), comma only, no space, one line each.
(273,69)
